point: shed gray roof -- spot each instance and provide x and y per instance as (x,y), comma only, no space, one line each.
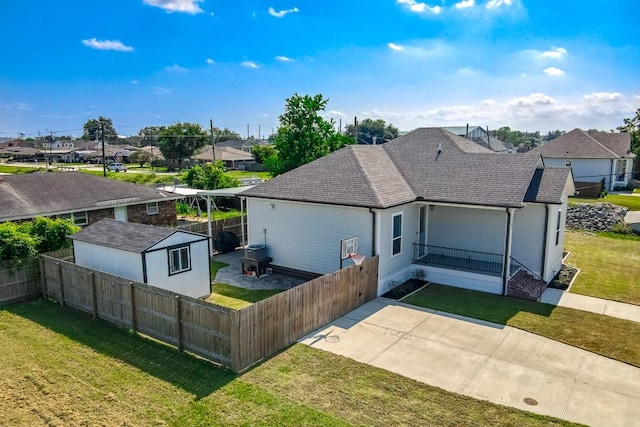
(427,164)
(547,185)
(29,195)
(578,144)
(127,236)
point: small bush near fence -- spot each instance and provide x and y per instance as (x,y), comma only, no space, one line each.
(236,339)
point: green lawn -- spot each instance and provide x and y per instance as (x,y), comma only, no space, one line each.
(610,267)
(630,202)
(248,174)
(233,296)
(59,367)
(611,337)
(136,178)
(19,169)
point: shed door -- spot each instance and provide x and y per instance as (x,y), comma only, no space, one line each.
(120,213)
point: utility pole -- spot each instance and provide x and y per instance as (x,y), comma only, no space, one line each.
(340,126)
(213,141)
(355,125)
(247,132)
(104,160)
(258,132)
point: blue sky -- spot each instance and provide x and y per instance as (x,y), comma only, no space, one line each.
(527,64)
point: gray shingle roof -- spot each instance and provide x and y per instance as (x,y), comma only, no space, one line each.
(578,144)
(29,195)
(427,164)
(127,236)
(547,185)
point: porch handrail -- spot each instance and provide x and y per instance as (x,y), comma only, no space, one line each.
(523,267)
(462,259)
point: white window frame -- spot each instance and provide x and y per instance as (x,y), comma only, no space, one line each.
(78,218)
(399,236)
(177,269)
(151,206)
(559,223)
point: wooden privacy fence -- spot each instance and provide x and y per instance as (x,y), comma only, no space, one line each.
(236,339)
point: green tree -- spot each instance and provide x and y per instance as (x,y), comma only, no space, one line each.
(52,234)
(16,243)
(262,152)
(210,177)
(304,135)
(92,129)
(551,135)
(225,135)
(632,127)
(373,131)
(140,157)
(148,135)
(180,140)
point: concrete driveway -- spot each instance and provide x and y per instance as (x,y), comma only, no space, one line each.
(486,361)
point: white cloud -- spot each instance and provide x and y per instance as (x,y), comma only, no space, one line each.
(175,68)
(531,100)
(465,72)
(493,4)
(116,45)
(554,52)
(134,82)
(553,71)
(337,113)
(282,13)
(210,61)
(420,7)
(465,4)
(250,64)
(283,58)
(395,47)
(159,90)
(182,6)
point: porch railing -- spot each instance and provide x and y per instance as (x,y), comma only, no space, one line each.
(458,259)
(516,266)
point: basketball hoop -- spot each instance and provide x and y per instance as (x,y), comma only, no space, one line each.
(357,258)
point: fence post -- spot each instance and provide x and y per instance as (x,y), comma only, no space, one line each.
(94,296)
(60,284)
(235,341)
(43,279)
(132,297)
(178,322)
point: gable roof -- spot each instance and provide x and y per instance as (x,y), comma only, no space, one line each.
(578,144)
(428,164)
(547,185)
(126,236)
(224,154)
(29,195)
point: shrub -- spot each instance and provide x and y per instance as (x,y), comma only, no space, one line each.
(16,243)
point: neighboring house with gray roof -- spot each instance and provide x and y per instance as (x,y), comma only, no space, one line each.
(428,200)
(85,198)
(480,136)
(167,258)
(599,160)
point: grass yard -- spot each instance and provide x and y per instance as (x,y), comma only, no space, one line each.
(608,336)
(59,367)
(630,202)
(136,178)
(20,169)
(610,267)
(233,296)
(248,174)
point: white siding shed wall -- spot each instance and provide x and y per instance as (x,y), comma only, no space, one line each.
(195,282)
(528,234)
(554,251)
(306,236)
(111,260)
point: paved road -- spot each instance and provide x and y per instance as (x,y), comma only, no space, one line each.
(486,361)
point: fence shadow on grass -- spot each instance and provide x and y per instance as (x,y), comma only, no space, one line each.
(185,371)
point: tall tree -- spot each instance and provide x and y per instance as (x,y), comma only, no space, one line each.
(225,135)
(632,127)
(210,177)
(92,128)
(180,140)
(149,134)
(304,135)
(373,131)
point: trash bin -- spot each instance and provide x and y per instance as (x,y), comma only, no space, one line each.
(226,241)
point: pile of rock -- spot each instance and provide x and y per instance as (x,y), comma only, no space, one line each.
(595,217)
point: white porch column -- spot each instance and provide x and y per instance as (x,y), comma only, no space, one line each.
(507,250)
(209,230)
(243,203)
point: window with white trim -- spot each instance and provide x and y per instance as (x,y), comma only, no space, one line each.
(152,208)
(396,239)
(558,227)
(179,260)
(78,218)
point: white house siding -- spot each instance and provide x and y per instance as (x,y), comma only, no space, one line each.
(111,260)
(528,234)
(553,262)
(397,267)
(195,282)
(587,170)
(481,230)
(463,279)
(307,236)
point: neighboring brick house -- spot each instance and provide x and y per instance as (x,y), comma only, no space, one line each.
(85,198)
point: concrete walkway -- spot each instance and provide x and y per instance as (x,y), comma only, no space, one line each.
(594,305)
(486,361)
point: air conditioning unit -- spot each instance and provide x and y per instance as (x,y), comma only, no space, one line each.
(257,251)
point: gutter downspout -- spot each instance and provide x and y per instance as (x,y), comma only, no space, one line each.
(545,238)
(373,232)
(507,251)
(144,268)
